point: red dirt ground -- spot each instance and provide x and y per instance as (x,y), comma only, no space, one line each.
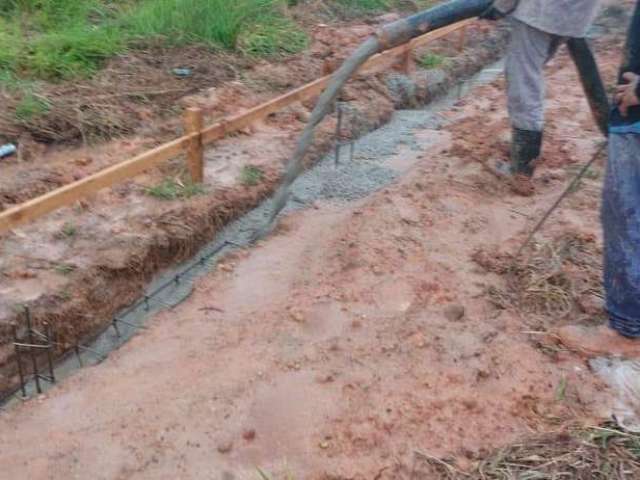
(354,336)
(122,236)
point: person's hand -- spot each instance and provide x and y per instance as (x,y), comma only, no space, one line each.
(627,94)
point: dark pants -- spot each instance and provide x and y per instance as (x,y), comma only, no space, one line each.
(621,224)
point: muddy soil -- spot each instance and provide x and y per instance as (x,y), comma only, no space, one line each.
(77,267)
(357,334)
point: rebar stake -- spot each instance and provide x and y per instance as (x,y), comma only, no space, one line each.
(114,322)
(338,132)
(49,338)
(76,349)
(19,362)
(34,360)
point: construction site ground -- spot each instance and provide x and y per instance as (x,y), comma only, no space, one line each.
(78,267)
(361,334)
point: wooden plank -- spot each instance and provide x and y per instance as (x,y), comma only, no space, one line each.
(384,60)
(243,120)
(378,62)
(68,194)
(462,41)
(72,192)
(193,123)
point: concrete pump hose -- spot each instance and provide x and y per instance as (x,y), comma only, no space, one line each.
(387,37)
(400,32)
(591,80)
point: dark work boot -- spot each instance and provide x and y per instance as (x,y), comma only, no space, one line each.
(525,150)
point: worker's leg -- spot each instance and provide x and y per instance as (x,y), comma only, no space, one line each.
(530,49)
(621,226)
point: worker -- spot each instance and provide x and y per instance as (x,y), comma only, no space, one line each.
(620,218)
(539,27)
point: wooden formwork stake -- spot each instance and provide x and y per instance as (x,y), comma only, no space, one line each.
(194,123)
(462,41)
(408,64)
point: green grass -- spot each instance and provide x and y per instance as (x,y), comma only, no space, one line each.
(378,5)
(62,39)
(68,230)
(173,189)
(431,61)
(31,106)
(258,26)
(250,175)
(64,268)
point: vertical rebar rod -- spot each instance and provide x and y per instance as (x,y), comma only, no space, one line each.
(34,360)
(76,349)
(49,333)
(338,132)
(19,362)
(114,322)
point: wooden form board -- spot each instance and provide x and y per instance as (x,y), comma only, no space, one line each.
(75,191)
(378,62)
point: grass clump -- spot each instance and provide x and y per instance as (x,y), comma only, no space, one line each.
(255,26)
(68,230)
(64,268)
(380,5)
(62,39)
(591,453)
(57,39)
(174,189)
(250,175)
(31,106)
(548,281)
(431,61)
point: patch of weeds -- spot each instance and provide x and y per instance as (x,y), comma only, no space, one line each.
(65,295)
(561,390)
(431,61)
(382,5)
(31,106)
(64,268)
(278,36)
(68,230)
(550,280)
(365,4)
(173,189)
(260,25)
(19,307)
(594,453)
(250,175)
(77,51)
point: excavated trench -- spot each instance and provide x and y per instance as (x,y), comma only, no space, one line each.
(344,178)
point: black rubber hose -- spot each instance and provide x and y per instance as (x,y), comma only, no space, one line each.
(591,82)
(387,37)
(442,15)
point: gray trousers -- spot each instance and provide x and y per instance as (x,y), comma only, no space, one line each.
(529,51)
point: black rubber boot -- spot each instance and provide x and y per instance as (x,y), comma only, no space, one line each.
(525,150)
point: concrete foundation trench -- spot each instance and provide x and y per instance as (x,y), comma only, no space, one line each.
(384,330)
(358,170)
